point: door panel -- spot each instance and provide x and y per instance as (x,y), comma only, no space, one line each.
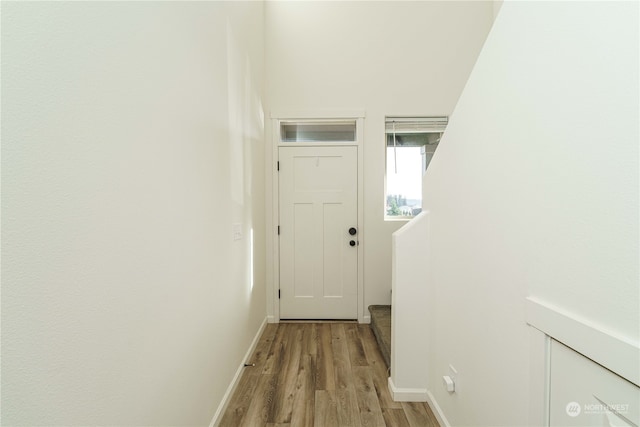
(303,251)
(318,205)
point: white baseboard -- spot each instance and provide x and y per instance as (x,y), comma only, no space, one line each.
(272,319)
(407,394)
(437,411)
(366,320)
(418,395)
(234,382)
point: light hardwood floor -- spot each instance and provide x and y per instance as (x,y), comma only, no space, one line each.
(322,375)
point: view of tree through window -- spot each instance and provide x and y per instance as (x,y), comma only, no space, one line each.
(404,181)
(411,143)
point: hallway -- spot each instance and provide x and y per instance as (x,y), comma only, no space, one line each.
(143,238)
(319,374)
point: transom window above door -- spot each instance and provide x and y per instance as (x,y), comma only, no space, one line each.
(318,131)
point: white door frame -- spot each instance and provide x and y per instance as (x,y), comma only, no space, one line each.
(272,199)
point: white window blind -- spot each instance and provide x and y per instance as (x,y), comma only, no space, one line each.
(424,132)
(405,125)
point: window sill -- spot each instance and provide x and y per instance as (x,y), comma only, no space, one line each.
(398,218)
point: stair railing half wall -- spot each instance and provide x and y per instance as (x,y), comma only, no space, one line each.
(409,314)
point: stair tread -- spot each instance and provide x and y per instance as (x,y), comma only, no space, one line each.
(381,326)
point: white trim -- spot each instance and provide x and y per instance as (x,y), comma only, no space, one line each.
(539,377)
(547,382)
(318,114)
(615,352)
(234,382)
(407,394)
(365,319)
(275,209)
(319,144)
(437,411)
(361,230)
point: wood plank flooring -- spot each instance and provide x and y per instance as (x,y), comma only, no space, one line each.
(319,375)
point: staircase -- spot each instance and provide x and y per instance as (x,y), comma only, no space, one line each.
(381,326)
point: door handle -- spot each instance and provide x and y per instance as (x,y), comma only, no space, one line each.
(353,231)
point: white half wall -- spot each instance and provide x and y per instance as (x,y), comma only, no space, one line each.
(383,58)
(533,192)
(132,146)
(410,343)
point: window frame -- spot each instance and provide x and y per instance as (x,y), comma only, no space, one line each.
(414,125)
(282,140)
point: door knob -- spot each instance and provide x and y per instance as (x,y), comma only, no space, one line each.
(352,243)
(353,231)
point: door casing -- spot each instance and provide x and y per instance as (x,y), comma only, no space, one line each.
(273,254)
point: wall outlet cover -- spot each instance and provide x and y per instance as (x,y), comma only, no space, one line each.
(237,231)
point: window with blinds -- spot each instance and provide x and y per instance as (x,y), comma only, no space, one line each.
(411,143)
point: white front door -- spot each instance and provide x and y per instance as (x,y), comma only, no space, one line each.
(318,211)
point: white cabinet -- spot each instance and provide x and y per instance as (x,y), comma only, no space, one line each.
(583,393)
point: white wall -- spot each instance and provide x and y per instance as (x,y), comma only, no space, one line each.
(497,4)
(534,192)
(132,141)
(386,58)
